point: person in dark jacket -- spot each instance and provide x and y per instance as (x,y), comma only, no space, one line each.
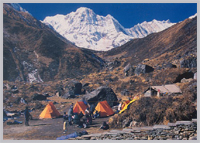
(76,119)
(92,108)
(70,114)
(105,126)
(88,119)
(27,115)
(72,105)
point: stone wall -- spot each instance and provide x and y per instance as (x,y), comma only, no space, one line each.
(181,130)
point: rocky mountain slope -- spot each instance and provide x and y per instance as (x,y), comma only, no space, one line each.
(89,30)
(171,45)
(34,52)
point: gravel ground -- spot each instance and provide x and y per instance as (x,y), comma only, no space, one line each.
(45,129)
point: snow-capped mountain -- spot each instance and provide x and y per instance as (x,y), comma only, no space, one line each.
(86,29)
(193,16)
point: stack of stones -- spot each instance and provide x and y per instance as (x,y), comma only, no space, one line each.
(181,130)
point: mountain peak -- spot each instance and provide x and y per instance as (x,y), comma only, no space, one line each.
(84,9)
(89,30)
(109,16)
(193,16)
(154,20)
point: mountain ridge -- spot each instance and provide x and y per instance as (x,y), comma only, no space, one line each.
(179,39)
(86,29)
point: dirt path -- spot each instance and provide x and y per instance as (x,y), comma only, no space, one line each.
(46,129)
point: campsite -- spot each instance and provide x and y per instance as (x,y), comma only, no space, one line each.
(46,129)
(47,121)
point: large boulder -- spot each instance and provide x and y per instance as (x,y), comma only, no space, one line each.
(75,86)
(163,66)
(14,89)
(72,89)
(128,70)
(170,65)
(189,63)
(37,96)
(100,94)
(69,94)
(141,68)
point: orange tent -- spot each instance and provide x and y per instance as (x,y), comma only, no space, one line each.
(104,109)
(80,107)
(125,103)
(49,111)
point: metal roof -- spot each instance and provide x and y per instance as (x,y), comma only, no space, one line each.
(170,88)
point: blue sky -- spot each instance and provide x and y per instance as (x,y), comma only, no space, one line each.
(128,14)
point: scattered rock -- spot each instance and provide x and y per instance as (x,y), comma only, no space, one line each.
(143,69)
(195,75)
(189,63)
(14,89)
(170,65)
(158,132)
(37,96)
(128,70)
(184,80)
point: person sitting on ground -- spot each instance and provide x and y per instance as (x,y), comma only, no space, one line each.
(105,126)
(27,116)
(96,115)
(77,121)
(88,119)
(80,115)
(65,118)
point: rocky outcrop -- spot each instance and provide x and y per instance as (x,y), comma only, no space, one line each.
(189,63)
(141,68)
(72,89)
(181,130)
(100,94)
(39,97)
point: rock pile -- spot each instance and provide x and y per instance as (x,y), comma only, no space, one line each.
(181,130)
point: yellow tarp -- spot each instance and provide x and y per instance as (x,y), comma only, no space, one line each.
(126,106)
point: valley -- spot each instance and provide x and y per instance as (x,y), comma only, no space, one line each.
(39,62)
